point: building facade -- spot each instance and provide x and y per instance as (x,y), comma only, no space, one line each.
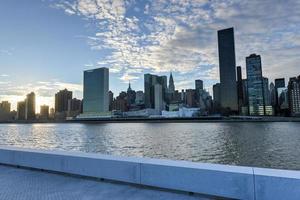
(61,100)
(95,91)
(30,106)
(216,96)
(255,84)
(44,112)
(227,66)
(267,96)
(272,95)
(139,98)
(149,83)
(21,110)
(294,96)
(5,106)
(190,98)
(131,95)
(74,107)
(279,87)
(198,84)
(240,94)
(158,101)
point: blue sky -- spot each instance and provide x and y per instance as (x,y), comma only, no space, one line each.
(45,45)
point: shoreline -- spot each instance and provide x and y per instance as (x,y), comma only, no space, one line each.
(161,120)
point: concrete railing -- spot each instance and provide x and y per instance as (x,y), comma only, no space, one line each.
(210,179)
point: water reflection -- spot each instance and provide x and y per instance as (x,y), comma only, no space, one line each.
(250,144)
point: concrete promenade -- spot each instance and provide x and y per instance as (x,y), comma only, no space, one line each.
(25,184)
(234,182)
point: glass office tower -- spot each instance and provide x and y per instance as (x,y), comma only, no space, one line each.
(227,69)
(255,85)
(95,91)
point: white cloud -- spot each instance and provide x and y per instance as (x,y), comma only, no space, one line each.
(127,77)
(6,52)
(181,36)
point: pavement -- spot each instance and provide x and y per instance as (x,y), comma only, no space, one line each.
(25,184)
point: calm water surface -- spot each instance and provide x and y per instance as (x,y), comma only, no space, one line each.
(275,145)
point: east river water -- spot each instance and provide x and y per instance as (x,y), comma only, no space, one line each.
(262,144)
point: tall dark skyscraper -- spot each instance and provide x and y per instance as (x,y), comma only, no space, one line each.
(198,84)
(149,83)
(216,94)
(272,94)
(110,99)
(30,106)
(279,83)
(61,100)
(21,110)
(267,97)
(255,85)
(240,87)
(245,92)
(227,68)
(279,86)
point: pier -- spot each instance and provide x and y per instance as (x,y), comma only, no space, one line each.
(42,174)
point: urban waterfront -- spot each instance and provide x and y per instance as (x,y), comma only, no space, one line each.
(263,144)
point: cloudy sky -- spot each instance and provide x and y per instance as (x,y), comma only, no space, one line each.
(45,45)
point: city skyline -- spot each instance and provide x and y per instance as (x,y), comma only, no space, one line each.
(278,45)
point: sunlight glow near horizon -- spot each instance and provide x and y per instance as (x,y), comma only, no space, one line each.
(62,38)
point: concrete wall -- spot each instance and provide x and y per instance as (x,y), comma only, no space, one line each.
(211,179)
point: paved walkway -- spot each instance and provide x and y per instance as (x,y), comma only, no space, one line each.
(36,185)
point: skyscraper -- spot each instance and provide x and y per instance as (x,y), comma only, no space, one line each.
(61,100)
(131,95)
(149,82)
(267,97)
(216,97)
(227,68)
(158,101)
(171,84)
(216,93)
(240,94)
(190,97)
(21,110)
(279,83)
(95,91)
(110,99)
(255,85)
(294,96)
(279,87)
(139,100)
(74,107)
(44,112)
(5,106)
(5,113)
(198,84)
(245,93)
(272,94)
(30,106)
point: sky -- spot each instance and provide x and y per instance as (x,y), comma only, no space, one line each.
(46,44)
